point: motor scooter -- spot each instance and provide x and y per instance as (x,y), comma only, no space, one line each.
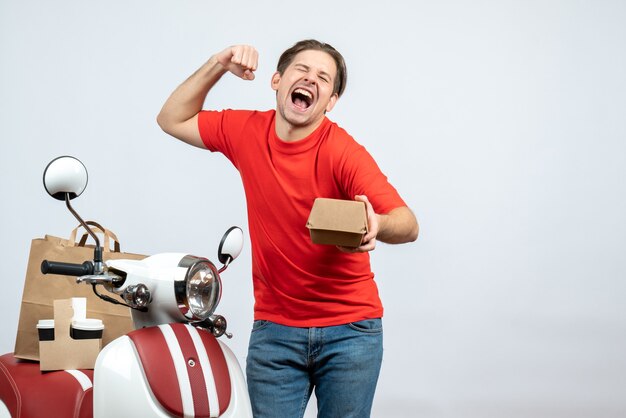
(172,364)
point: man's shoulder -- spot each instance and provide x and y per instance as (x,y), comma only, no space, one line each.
(339,136)
(247,113)
(237,114)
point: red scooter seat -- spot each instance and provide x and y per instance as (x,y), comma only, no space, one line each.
(185,368)
(28,392)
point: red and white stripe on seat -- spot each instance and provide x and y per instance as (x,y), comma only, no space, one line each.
(185,368)
(28,392)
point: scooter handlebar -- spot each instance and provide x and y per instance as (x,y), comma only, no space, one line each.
(67,269)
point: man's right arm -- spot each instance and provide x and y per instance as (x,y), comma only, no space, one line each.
(179,115)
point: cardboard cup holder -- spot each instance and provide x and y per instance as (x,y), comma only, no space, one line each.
(70,341)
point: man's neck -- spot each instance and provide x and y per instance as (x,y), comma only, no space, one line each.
(290,133)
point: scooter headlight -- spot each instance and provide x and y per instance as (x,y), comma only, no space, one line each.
(202,289)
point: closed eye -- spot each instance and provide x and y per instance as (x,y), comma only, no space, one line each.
(302,68)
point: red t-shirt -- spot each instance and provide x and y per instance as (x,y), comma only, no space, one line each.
(298,283)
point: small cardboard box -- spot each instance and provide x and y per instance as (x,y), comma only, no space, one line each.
(64,352)
(337,222)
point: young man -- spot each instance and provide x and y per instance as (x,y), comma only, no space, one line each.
(317,311)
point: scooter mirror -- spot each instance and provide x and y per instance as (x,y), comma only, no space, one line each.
(231,245)
(65,175)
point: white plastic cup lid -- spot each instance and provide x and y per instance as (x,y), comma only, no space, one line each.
(45,323)
(89,324)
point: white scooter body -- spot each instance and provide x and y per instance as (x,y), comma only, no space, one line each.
(121,386)
(165,367)
(121,383)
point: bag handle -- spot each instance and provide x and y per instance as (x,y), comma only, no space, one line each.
(108,236)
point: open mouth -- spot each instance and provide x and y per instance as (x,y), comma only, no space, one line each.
(301,98)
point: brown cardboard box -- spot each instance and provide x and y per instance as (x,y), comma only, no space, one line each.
(337,222)
(64,352)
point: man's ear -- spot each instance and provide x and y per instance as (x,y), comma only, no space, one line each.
(332,101)
(275,81)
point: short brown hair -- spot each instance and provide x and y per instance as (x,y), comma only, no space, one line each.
(342,73)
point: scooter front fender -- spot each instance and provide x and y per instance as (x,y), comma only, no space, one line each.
(121,387)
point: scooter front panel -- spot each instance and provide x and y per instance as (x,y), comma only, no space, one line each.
(121,388)
(240,406)
(160,371)
(192,358)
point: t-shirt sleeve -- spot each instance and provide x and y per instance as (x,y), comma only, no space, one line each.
(362,176)
(220,131)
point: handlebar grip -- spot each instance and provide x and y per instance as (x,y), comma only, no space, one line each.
(66,269)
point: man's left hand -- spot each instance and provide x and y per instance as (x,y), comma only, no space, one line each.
(368,243)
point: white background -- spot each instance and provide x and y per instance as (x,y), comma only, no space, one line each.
(502,124)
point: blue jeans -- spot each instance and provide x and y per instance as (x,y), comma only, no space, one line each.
(342,363)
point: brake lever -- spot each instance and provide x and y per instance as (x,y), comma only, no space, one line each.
(103,279)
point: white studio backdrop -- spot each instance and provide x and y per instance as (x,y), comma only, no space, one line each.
(502,123)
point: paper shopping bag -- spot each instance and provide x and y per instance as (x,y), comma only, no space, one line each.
(41,290)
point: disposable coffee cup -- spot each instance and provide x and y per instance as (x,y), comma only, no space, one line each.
(84,329)
(45,328)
